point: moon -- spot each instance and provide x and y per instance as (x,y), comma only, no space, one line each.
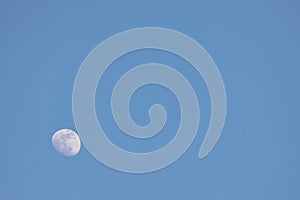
(66,142)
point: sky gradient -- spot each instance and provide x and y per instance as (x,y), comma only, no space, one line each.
(256,47)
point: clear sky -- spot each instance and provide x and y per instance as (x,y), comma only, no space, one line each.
(256,47)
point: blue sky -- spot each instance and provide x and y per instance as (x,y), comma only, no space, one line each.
(256,47)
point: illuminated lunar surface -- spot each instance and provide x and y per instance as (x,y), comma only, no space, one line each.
(66,142)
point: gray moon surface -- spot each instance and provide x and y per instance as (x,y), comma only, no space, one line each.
(66,142)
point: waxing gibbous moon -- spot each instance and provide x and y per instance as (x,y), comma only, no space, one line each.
(66,142)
